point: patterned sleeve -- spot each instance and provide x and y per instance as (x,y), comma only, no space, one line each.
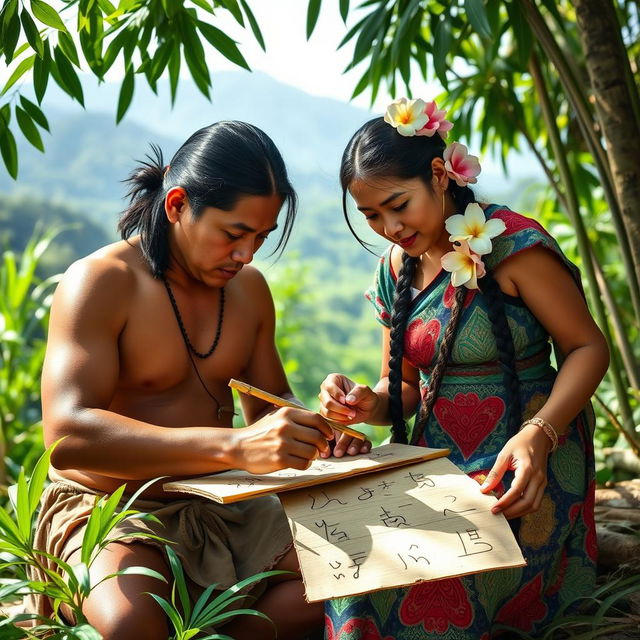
(380,293)
(522,233)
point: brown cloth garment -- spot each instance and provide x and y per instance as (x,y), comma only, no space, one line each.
(217,544)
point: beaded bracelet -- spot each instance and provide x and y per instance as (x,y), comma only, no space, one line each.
(549,431)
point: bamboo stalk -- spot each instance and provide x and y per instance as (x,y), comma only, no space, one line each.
(584,245)
(579,102)
(622,340)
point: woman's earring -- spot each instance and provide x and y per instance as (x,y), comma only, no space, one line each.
(443,203)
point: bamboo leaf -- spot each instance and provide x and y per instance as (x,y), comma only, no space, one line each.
(203,4)
(9,153)
(41,68)
(32,33)
(253,23)
(313,11)
(35,112)
(441,46)
(522,33)
(126,94)
(68,47)
(46,14)
(69,77)
(174,72)
(29,129)
(19,71)
(234,9)
(478,17)
(344,10)
(10,36)
(223,43)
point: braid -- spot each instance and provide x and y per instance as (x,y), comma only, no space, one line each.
(506,349)
(441,364)
(399,315)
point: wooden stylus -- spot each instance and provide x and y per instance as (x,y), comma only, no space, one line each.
(243,387)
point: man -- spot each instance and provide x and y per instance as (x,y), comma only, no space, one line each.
(144,337)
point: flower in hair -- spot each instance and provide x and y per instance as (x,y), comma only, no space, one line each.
(465,266)
(460,165)
(474,228)
(436,121)
(407,116)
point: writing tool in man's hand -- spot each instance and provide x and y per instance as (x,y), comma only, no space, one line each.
(250,390)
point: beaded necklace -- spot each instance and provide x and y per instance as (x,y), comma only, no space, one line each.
(192,350)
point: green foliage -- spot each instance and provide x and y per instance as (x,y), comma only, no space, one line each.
(207,612)
(64,584)
(24,308)
(104,34)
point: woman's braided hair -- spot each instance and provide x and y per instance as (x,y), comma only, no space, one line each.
(377,150)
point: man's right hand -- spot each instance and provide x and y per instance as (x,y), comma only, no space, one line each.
(287,438)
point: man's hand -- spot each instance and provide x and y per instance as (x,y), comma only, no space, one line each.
(287,438)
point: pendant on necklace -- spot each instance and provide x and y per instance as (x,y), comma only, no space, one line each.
(222,410)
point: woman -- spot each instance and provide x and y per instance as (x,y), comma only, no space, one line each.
(469,295)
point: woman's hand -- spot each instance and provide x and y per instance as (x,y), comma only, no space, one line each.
(343,400)
(526,454)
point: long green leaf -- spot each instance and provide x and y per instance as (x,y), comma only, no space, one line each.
(35,112)
(126,93)
(46,14)
(70,80)
(344,10)
(313,11)
(29,129)
(41,73)
(234,9)
(19,71)
(172,613)
(39,475)
(179,581)
(478,17)
(174,73)
(68,48)
(32,33)
(10,36)
(253,23)
(223,43)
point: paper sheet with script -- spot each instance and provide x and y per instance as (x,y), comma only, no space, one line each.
(392,528)
(232,486)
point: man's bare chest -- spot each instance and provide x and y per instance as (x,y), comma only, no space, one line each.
(153,354)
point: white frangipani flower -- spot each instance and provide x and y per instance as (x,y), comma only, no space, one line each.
(474,228)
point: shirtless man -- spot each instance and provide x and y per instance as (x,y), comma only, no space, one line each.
(135,401)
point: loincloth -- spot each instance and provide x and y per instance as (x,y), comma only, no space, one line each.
(217,544)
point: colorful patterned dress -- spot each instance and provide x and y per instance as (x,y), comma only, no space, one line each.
(558,541)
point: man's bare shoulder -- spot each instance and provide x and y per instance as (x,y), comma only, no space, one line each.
(109,274)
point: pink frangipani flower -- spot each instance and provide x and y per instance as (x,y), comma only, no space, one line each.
(436,121)
(460,165)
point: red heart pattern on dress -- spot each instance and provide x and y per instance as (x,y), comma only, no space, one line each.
(468,420)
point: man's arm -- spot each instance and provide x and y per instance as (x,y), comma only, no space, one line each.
(79,379)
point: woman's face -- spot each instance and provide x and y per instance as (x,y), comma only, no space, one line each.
(405,212)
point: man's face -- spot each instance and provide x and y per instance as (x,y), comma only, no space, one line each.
(216,245)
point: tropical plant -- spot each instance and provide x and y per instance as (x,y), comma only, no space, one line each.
(36,572)
(38,39)
(188,621)
(24,313)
